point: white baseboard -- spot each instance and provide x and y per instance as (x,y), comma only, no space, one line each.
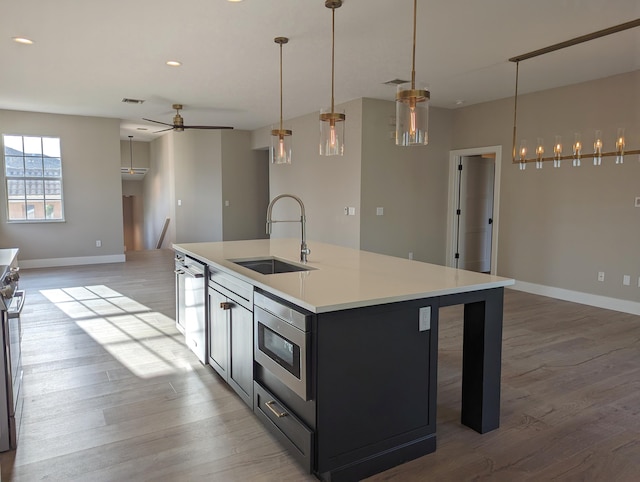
(75,261)
(615,304)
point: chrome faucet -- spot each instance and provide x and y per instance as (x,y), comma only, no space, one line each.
(304,250)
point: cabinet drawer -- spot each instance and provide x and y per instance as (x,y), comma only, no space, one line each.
(240,291)
(286,427)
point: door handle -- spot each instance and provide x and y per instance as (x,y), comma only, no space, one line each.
(225,305)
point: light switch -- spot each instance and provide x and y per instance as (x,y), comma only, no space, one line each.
(226,203)
(637,202)
(352,211)
(179,202)
(626,280)
(379,211)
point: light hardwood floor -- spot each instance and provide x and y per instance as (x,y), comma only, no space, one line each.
(112,394)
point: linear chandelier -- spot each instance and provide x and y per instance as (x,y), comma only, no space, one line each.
(519,155)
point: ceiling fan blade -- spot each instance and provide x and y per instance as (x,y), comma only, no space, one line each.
(158,122)
(207,127)
(164,130)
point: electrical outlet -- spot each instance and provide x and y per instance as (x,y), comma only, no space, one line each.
(98,243)
(379,211)
(425,318)
(626,280)
(410,254)
(600,275)
(179,202)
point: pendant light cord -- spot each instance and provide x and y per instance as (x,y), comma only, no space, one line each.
(130,154)
(413,64)
(280,87)
(515,113)
(333,42)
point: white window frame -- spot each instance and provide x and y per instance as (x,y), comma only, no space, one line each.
(26,178)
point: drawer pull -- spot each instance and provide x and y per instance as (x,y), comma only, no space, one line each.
(275,412)
(225,305)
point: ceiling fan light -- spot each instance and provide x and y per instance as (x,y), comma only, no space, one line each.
(412,115)
(178,123)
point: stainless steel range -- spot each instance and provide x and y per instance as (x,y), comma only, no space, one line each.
(11,397)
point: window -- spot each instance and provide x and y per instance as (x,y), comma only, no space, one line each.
(33,173)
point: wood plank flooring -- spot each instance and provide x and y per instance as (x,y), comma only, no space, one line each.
(112,393)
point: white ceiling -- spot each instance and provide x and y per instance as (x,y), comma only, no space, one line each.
(89,55)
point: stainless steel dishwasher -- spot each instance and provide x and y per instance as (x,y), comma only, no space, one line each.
(190,304)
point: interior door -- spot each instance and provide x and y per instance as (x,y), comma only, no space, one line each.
(476,213)
(128,222)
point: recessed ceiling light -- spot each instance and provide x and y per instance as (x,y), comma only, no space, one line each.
(22,40)
(173,63)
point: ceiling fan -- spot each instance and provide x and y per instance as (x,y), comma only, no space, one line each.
(178,122)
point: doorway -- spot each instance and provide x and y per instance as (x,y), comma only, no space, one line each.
(133,220)
(474,194)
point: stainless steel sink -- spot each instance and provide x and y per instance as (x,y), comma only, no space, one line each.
(270,265)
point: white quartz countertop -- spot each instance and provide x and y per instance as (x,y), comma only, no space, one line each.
(343,278)
(7,256)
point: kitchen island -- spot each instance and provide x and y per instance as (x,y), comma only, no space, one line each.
(368,400)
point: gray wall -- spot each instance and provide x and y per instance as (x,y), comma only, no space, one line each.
(201,169)
(92,190)
(559,227)
(159,193)
(141,153)
(326,185)
(198,178)
(245,186)
(409,183)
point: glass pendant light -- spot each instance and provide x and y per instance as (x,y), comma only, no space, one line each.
(412,105)
(331,121)
(280,152)
(131,171)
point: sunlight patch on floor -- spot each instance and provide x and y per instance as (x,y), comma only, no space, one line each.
(145,342)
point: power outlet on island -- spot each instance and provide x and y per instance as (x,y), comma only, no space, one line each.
(425,318)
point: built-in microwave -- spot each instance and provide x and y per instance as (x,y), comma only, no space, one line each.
(282,343)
